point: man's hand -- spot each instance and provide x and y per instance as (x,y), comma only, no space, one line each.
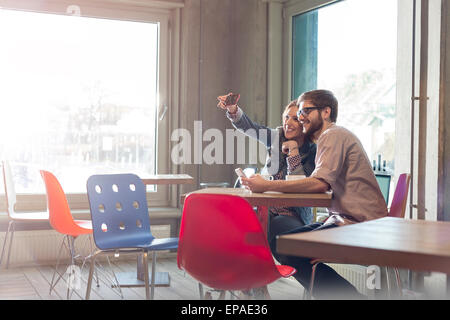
(256,183)
(290,148)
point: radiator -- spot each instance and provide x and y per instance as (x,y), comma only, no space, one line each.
(42,246)
(355,274)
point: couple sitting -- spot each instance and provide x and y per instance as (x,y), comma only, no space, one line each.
(332,158)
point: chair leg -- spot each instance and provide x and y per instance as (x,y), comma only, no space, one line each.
(388,282)
(399,282)
(13,226)
(208,296)
(200,290)
(91,249)
(6,240)
(146,280)
(222,295)
(309,294)
(153,275)
(91,273)
(71,242)
(265,293)
(52,285)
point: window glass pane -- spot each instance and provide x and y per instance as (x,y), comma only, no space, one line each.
(78,97)
(356,59)
(304,51)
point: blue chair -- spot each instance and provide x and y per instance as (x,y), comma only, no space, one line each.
(120,221)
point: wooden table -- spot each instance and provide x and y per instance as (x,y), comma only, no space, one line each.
(272,199)
(162,279)
(394,242)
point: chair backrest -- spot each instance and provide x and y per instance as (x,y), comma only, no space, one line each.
(398,204)
(384,181)
(10,190)
(222,244)
(58,209)
(119,211)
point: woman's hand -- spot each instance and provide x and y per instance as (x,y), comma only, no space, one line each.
(290,148)
(228,102)
(256,183)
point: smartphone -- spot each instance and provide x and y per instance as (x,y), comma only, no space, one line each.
(232,99)
(240,173)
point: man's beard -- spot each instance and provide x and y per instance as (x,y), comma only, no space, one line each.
(313,128)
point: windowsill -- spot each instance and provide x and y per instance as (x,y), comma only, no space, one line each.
(158,216)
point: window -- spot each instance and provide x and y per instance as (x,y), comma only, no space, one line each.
(81,96)
(350,48)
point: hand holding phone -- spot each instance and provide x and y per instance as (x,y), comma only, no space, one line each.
(240,173)
(228,102)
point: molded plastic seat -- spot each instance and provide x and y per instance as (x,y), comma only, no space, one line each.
(59,212)
(62,221)
(14,216)
(398,204)
(120,219)
(223,246)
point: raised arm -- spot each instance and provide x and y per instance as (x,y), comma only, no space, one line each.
(243,123)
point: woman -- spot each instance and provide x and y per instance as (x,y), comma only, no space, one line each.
(289,152)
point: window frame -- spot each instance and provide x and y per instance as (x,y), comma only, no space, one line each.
(291,9)
(159,12)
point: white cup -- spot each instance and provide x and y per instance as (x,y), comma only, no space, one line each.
(295,177)
(267,177)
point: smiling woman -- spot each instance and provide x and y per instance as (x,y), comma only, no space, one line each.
(79,95)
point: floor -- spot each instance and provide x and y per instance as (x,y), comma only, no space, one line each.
(33,283)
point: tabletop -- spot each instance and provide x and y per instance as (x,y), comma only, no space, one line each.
(411,244)
(273,199)
(168,179)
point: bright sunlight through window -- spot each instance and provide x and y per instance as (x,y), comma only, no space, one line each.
(78,97)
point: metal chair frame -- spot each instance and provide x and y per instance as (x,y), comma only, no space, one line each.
(121,222)
(62,221)
(14,216)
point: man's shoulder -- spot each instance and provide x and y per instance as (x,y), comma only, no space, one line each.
(335,129)
(337,133)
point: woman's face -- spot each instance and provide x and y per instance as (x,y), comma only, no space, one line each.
(291,126)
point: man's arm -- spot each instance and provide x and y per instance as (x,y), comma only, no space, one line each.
(307,185)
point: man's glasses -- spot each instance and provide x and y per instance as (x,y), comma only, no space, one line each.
(306,111)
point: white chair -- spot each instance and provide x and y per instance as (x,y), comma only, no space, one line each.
(16,218)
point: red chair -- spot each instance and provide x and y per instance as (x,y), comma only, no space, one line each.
(222,245)
(397,209)
(62,221)
(398,204)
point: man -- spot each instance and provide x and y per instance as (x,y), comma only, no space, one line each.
(342,166)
